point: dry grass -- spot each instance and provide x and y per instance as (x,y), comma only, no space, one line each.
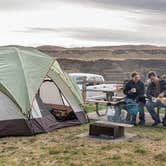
(63,147)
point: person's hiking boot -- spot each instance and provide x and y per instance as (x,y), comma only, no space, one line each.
(155,124)
(159,120)
(133,123)
(141,123)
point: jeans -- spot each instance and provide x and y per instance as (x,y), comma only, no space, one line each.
(151,106)
(141,112)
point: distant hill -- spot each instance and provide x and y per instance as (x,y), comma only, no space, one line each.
(113,62)
(107,52)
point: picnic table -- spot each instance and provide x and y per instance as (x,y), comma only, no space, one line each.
(109,90)
(110,101)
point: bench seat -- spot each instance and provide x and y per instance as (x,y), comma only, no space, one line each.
(106,128)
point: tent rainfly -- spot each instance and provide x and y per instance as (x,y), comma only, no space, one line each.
(32,85)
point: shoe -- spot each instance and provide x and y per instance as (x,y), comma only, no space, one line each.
(141,123)
(133,123)
(155,124)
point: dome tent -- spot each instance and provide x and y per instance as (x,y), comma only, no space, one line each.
(25,92)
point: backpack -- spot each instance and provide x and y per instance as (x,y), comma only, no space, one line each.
(132,108)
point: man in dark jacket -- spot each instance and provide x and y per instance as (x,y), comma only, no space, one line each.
(156,88)
(134,91)
(134,100)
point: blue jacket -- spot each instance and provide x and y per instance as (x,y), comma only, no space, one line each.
(140,90)
(152,90)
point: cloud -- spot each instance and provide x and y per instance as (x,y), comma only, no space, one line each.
(146,25)
(140,5)
(102,35)
(154,20)
(14,4)
(10,5)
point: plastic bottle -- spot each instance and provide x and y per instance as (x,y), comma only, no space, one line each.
(110,114)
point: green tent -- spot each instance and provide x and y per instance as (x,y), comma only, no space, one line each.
(25,73)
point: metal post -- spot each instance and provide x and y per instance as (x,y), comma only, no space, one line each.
(84,90)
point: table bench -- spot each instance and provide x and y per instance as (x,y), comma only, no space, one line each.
(106,128)
(107,103)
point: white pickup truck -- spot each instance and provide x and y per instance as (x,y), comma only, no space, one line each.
(80,77)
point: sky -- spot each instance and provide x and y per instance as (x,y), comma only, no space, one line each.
(78,23)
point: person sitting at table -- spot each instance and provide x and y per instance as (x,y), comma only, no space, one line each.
(134,100)
(157,92)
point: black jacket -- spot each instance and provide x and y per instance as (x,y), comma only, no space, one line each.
(140,90)
(152,90)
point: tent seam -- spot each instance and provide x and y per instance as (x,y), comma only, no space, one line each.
(18,53)
(50,65)
(69,89)
(68,86)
